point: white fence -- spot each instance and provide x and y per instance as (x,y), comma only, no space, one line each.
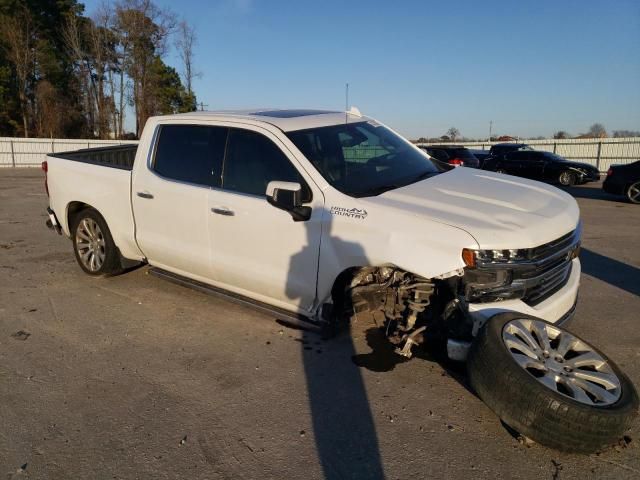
(31,152)
(600,152)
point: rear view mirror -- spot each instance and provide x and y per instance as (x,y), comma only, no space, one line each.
(287,196)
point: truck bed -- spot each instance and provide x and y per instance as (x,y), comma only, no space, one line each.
(118,156)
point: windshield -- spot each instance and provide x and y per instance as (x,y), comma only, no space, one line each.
(363,159)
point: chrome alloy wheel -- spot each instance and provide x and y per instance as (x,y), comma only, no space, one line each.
(566,178)
(634,193)
(561,362)
(90,244)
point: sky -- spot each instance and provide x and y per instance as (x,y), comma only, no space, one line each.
(421,67)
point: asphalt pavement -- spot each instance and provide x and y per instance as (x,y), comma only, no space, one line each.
(134,377)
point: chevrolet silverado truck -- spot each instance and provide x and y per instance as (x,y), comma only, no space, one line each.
(320,216)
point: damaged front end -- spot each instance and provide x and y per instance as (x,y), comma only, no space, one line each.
(415,309)
(436,310)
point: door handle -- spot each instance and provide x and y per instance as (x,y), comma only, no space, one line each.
(144,195)
(223,211)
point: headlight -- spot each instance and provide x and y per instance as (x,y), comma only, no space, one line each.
(472,258)
(490,286)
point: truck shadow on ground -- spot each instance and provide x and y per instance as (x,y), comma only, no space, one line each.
(614,272)
(343,425)
(583,191)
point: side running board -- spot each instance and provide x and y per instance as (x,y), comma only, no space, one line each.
(291,318)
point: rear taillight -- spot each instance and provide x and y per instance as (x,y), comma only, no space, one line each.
(609,172)
(456,161)
(45,168)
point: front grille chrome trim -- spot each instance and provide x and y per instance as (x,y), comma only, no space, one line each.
(546,270)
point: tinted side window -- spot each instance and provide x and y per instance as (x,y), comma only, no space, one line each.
(253,161)
(191,153)
(516,156)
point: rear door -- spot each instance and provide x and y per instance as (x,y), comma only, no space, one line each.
(512,163)
(256,249)
(532,164)
(170,197)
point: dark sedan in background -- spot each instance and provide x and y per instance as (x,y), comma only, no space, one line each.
(501,149)
(455,155)
(481,155)
(624,180)
(545,166)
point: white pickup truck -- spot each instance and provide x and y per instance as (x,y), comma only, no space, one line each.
(320,215)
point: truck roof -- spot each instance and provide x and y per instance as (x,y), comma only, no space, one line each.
(285,119)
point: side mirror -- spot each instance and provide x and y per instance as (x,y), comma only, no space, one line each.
(287,196)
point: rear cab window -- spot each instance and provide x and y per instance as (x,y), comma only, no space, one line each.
(190,153)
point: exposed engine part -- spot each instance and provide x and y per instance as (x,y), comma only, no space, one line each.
(415,338)
(403,297)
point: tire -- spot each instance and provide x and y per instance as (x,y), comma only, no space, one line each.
(567,178)
(633,193)
(93,245)
(538,411)
(501,170)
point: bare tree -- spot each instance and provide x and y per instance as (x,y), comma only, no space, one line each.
(74,39)
(597,130)
(625,133)
(144,29)
(453,133)
(102,48)
(50,113)
(17,33)
(185,41)
(560,135)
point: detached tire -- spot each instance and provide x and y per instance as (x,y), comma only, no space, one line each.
(95,250)
(568,396)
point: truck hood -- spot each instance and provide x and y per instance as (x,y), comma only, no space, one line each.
(498,211)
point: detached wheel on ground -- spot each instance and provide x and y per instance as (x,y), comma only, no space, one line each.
(633,192)
(567,178)
(550,385)
(93,245)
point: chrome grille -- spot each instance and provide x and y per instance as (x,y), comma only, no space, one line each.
(548,283)
(548,249)
(544,270)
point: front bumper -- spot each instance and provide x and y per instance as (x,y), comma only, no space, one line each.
(591,177)
(559,309)
(613,187)
(554,309)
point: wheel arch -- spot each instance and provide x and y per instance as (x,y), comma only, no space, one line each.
(73,208)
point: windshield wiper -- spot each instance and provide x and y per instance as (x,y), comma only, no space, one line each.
(372,192)
(379,190)
(422,176)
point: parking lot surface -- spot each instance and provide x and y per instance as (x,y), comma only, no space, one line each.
(135,377)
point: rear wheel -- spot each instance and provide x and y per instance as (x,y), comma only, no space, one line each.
(550,385)
(633,192)
(567,178)
(93,245)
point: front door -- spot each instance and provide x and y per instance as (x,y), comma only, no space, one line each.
(256,249)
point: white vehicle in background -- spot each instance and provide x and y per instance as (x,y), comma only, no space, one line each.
(320,215)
